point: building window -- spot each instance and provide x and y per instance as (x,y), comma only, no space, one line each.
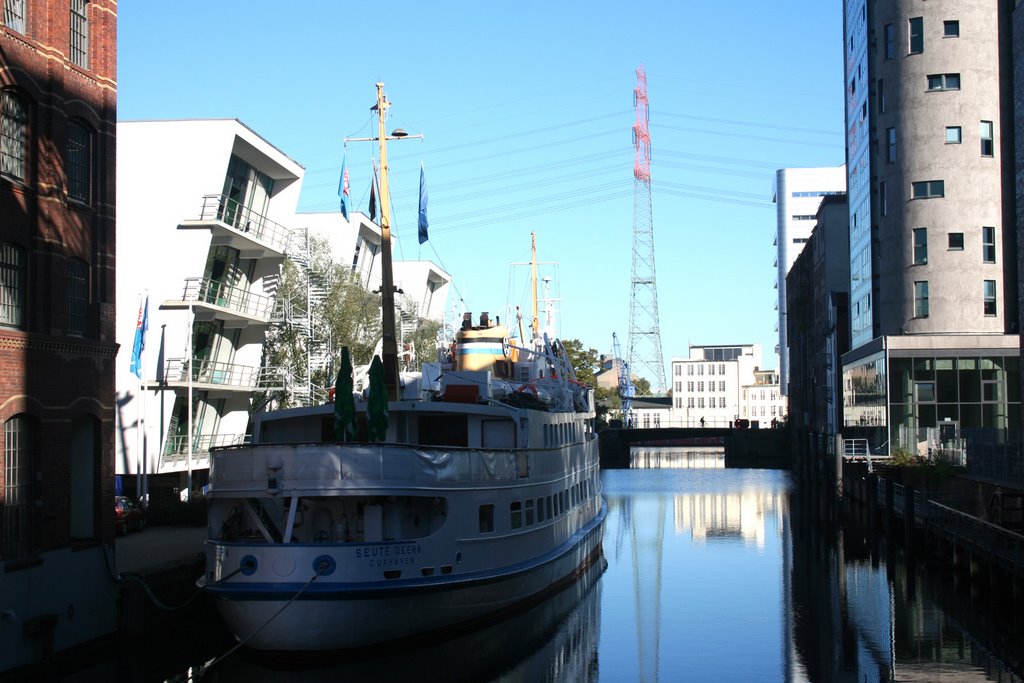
(944,82)
(987,143)
(883,198)
(78,296)
(953,135)
(689,402)
(80,33)
(881,96)
(916,30)
(721,385)
(921,299)
(12,285)
(920,246)
(711,369)
(18,437)
(890,150)
(13,143)
(689,387)
(890,41)
(700,386)
(79,155)
(721,368)
(956,241)
(989,290)
(14,15)
(700,402)
(951,29)
(988,245)
(721,401)
(926,189)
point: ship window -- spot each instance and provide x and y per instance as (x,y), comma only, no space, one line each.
(529,512)
(486,518)
(540,510)
(516,512)
(443,430)
(551,508)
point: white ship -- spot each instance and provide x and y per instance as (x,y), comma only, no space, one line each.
(484,494)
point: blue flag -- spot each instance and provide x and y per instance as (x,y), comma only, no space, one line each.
(343,189)
(141,326)
(423,207)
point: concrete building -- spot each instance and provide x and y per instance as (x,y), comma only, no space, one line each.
(57,336)
(933,247)
(797,194)
(710,384)
(651,412)
(818,288)
(208,255)
(761,401)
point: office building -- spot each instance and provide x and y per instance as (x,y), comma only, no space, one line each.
(933,246)
(797,194)
(707,385)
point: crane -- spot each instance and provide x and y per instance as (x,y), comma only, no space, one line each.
(626,390)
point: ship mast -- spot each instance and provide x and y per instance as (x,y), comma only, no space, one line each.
(533,277)
(389,345)
(389,342)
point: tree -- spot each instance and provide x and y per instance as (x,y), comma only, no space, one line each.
(337,312)
(585,363)
(643,387)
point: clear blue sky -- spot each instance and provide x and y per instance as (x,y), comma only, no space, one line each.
(527,110)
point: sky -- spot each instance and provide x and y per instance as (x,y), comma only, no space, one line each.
(526,110)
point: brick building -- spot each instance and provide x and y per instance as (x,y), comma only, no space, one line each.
(58,96)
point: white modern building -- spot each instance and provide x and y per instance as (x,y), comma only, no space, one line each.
(797,194)
(762,402)
(208,254)
(708,384)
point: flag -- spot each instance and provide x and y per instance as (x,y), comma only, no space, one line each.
(373,199)
(343,189)
(141,326)
(423,207)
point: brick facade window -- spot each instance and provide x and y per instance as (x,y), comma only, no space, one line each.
(80,33)
(14,15)
(14,135)
(17,538)
(12,285)
(79,162)
(78,296)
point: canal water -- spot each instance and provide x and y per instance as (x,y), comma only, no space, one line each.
(710,574)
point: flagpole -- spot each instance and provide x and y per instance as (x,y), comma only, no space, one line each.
(188,407)
(142,397)
(139,454)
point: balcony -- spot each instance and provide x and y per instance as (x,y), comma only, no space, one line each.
(233,225)
(175,452)
(220,301)
(222,379)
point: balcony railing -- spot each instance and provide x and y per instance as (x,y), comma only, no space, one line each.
(176,447)
(255,226)
(208,374)
(236,299)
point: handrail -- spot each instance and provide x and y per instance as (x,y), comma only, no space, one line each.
(226,374)
(201,443)
(217,293)
(219,207)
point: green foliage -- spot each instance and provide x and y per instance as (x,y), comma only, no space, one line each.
(642,386)
(586,363)
(902,457)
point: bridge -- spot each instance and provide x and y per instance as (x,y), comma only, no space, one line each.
(751,448)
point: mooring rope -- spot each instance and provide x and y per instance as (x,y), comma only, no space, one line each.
(217,660)
(156,601)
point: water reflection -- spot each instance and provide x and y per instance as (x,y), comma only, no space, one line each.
(717,574)
(663,458)
(555,640)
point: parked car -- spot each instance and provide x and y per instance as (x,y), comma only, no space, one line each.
(127,516)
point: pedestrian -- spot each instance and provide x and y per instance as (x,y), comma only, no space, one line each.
(702,423)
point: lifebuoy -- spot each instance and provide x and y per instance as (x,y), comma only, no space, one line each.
(532,388)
